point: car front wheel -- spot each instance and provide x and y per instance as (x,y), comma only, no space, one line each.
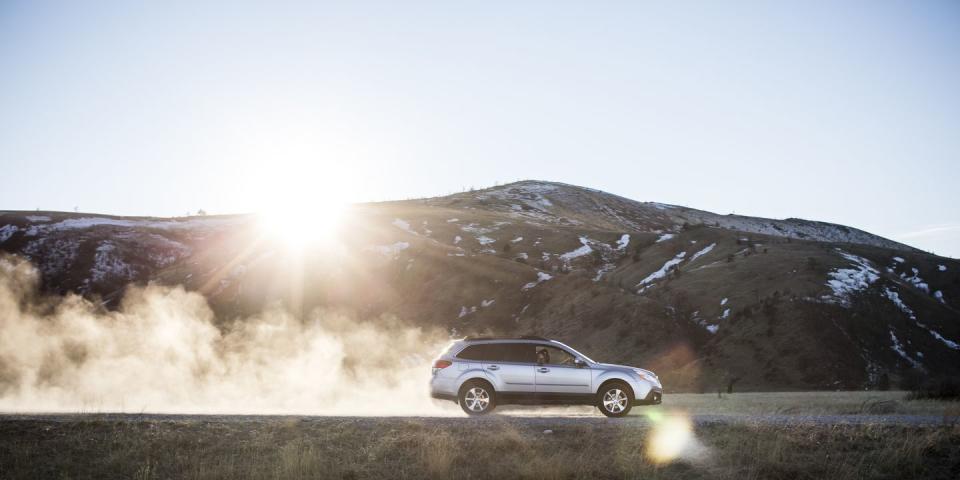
(477,398)
(613,400)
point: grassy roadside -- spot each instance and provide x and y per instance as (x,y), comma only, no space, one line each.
(495,447)
(806,403)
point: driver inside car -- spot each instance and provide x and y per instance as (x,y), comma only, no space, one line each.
(543,356)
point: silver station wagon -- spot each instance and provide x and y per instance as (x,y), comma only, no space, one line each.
(480,373)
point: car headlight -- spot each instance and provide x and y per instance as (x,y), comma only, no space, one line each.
(648,376)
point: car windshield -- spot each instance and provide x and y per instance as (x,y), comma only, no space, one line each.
(575,352)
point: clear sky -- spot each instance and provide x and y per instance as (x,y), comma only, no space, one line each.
(846,112)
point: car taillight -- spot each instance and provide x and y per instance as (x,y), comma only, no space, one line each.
(440,365)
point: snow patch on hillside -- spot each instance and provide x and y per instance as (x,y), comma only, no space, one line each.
(88,222)
(666,236)
(702,252)
(916,281)
(792,228)
(403,225)
(37,218)
(583,250)
(845,282)
(897,347)
(52,255)
(541,277)
(942,268)
(603,270)
(661,206)
(108,265)
(939,296)
(477,229)
(623,242)
(662,272)
(530,194)
(163,251)
(392,250)
(895,298)
(7,231)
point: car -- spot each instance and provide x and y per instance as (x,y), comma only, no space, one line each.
(480,373)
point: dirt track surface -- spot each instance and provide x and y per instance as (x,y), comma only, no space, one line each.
(509,417)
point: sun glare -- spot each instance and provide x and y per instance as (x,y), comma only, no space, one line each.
(670,438)
(302,226)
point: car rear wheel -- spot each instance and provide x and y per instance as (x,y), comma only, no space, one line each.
(613,400)
(477,398)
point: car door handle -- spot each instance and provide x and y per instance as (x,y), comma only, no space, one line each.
(543,369)
(493,367)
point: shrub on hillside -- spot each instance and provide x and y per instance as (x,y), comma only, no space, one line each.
(884,382)
(939,389)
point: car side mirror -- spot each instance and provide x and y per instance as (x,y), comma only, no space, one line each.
(579,363)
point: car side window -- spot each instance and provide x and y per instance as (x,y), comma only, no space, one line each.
(554,356)
(500,352)
(519,352)
(477,352)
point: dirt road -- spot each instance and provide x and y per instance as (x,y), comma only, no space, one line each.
(544,419)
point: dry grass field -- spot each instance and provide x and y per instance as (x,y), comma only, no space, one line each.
(807,403)
(647,445)
(500,447)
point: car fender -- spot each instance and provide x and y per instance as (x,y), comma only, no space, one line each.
(640,387)
(473,374)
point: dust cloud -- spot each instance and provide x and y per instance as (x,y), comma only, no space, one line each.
(163,352)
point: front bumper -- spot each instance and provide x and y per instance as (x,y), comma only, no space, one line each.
(654,397)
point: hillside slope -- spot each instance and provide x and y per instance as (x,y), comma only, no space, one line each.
(704,299)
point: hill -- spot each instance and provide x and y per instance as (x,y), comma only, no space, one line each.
(704,299)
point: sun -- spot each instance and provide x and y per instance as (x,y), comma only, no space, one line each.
(298,182)
(302,212)
(299,226)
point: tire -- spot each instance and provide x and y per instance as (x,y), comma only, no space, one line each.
(614,399)
(477,397)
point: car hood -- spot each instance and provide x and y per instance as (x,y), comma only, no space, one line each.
(613,366)
(627,368)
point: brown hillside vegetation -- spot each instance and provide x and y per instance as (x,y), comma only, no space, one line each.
(708,301)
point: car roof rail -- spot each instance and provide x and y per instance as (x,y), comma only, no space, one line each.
(492,337)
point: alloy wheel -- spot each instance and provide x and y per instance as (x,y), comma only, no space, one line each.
(615,400)
(477,399)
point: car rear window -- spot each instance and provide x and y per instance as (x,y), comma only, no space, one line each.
(500,352)
(477,352)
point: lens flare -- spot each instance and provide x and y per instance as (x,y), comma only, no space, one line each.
(670,438)
(301,226)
